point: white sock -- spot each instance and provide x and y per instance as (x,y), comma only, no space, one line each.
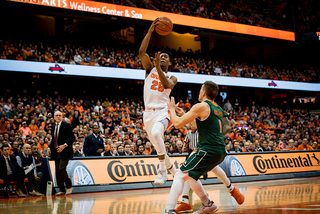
(176,190)
(185,193)
(230,188)
(198,189)
(169,165)
(185,199)
(221,175)
(161,165)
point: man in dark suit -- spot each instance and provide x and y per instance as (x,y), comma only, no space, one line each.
(10,170)
(93,145)
(62,151)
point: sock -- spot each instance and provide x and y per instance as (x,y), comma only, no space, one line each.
(185,193)
(169,165)
(176,190)
(198,189)
(230,187)
(221,175)
(161,165)
(185,199)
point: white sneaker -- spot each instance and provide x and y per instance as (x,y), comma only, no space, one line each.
(20,193)
(208,210)
(168,212)
(69,191)
(162,177)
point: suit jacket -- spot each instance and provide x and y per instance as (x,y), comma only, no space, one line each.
(3,172)
(65,135)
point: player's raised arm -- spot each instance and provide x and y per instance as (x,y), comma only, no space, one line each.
(145,60)
(165,59)
(181,112)
(200,110)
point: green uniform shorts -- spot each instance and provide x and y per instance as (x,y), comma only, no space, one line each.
(201,161)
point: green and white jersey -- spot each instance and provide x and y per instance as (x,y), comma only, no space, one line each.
(211,129)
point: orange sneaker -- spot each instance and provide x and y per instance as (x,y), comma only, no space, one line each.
(237,195)
(184,208)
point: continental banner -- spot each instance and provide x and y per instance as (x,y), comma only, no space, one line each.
(144,169)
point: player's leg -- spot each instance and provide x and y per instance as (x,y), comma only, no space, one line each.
(234,191)
(176,190)
(185,206)
(156,137)
(200,162)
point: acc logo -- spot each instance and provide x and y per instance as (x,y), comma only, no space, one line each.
(56,67)
(272,83)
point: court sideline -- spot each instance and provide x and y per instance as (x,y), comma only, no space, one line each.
(289,196)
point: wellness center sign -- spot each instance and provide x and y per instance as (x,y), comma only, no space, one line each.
(136,169)
(139,13)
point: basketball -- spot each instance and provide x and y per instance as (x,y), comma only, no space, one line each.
(164,26)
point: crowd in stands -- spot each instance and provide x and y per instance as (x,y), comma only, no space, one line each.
(26,122)
(268,13)
(183,62)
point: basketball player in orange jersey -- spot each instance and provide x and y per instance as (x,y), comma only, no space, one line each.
(157,88)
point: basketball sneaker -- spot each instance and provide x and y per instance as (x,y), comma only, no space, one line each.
(237,195)
(165,211)
(184,208)
(208,210)
(162,177)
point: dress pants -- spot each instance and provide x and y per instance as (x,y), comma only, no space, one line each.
(19,177)
(61,174)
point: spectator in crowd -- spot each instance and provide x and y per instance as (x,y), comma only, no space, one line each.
(127,149)
(264,147)
(77,150)
(291,146)
(93,144)
(15,148)
(228,105)
(236,147)
(120,149)
(38,162)
(42,146)
(246,147)
(10,170)
(304,145)
(140,149)
(26,161)
(113,151)
(25,129)
(167,147)
(179,148)
(148,150)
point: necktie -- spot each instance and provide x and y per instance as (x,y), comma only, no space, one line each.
(56,136)
(12,169)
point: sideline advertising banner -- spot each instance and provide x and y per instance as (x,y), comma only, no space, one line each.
(125,73)
(99,171)
(145,14)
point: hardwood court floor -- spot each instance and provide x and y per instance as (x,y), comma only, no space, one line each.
(289,196)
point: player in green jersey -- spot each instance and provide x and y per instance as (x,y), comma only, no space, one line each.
(212,125)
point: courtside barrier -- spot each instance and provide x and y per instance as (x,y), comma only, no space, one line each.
(90,174)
